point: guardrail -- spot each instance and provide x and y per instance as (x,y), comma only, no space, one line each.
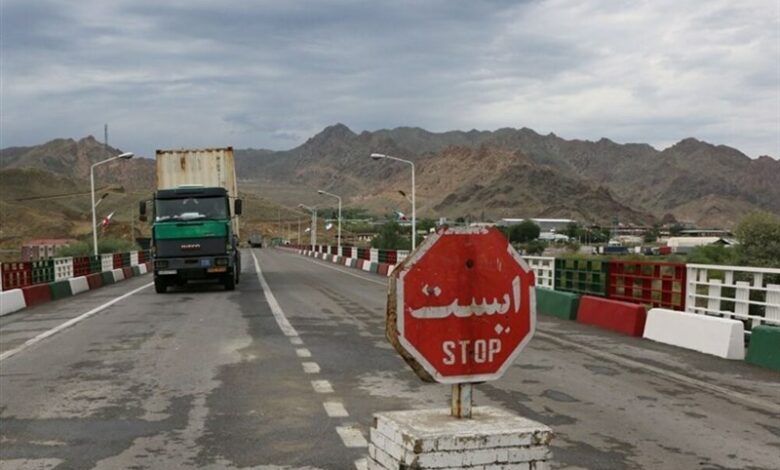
(744,293)
(20,274)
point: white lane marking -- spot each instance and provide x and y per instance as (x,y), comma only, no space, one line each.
(361,464)
(277,311)
(70,323)
(296,340)
(303,352)
(669,374)
(311,368)
(324,265)
(335,409)
(322,386)
(351,436)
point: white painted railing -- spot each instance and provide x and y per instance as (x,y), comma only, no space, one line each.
(544,269)
(401,255)
(743,293)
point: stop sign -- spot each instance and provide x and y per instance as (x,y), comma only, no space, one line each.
(462,306)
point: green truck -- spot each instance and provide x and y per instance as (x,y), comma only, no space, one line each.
(195,230)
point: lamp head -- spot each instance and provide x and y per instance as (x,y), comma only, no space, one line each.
(126,155)
(320,192)
(401,193)
(378,156)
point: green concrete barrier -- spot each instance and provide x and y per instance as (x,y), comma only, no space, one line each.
(136,271)
(558,304)
(60,289)
(108,277)
(764,348)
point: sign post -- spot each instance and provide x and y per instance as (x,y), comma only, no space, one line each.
(460,309)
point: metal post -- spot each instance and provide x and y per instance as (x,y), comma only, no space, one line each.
(94,217)
(338,243)
(461,400)
(414,219)
(298,241)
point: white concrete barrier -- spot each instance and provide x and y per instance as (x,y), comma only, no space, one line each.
(78,284)
(142,268)
(711,335)
(119,275)
(11,301)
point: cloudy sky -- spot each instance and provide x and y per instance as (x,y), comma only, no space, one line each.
(269,74)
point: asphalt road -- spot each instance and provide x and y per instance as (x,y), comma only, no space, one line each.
(203,378)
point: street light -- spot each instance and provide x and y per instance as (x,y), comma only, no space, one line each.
(313,211)
(338,236)
(380,156)
(124,156)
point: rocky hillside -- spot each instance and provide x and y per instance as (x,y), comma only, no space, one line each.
(517,172)
(73,158)
(504,173)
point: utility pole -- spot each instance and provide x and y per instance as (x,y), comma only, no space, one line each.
(299,231)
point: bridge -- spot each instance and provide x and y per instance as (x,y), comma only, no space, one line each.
(286,371)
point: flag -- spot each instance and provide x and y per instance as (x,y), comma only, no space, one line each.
(329,226)
(106,220)
(400,215)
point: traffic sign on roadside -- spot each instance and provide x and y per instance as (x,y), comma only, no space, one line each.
(462,306)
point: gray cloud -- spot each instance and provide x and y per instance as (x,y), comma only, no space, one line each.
(270,74)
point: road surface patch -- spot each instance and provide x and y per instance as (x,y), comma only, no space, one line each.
(69,323)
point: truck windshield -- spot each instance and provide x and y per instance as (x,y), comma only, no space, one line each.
(191,208)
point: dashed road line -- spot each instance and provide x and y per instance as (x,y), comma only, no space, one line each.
(351,436)
(303,352)
(311,367)
(322,386)
(361,464)
(70,323)
(296,340)
(335,409)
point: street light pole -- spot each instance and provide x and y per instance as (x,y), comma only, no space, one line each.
(338,236)
(379,156)
(313,211)
(124,156)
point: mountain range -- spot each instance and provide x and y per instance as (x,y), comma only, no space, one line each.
(481,175)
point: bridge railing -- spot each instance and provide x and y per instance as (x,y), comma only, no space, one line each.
(744,293)
(16,275)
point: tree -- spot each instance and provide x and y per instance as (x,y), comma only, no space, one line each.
(389,238)
(425,225)
(524,232)
(535,247)
(759,240)
(676,229)
(573,230)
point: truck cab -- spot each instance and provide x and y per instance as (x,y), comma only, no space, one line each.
(193,236)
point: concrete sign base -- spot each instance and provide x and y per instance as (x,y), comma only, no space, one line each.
(433,439)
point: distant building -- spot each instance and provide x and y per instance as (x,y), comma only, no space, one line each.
(546,225)
(686,244)
(34,250)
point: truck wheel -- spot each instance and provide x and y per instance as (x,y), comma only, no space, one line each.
(230,281)
(160,286)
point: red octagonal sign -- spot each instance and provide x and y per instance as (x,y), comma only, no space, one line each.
(462,307)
